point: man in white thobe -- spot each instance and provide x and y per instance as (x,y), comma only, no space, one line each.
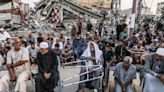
(154,72)
(1,56)
(18,68)
(3,34)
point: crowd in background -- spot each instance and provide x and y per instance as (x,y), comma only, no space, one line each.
(148,36)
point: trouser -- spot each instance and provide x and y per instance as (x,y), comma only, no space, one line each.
(46,85)
(118,35)
(152,84)
(119,89)
(94,83)
(106,73)
(3,67)
(20,83)
(78,53)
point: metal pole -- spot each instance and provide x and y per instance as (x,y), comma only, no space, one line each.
(60,1)
(140,6)
(60,81)
(133,18)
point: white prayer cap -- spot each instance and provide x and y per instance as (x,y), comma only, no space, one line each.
(160,51)
(63,32)
(156,40)
(43,45)
(88,32)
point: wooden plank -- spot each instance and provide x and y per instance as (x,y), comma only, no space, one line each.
(13,11)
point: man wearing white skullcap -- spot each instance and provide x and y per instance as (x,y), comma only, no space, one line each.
(154,72)
(124,75)
(43,45)
(160,51)
(46,79)
(3,34)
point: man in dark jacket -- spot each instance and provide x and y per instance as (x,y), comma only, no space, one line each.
(47,62)
(89,26)
(121,51)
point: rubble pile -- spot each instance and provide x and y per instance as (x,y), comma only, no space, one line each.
(40,20)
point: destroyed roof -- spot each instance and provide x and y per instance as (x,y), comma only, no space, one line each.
(48,5)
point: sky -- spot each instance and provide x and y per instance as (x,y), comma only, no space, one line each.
(126,4)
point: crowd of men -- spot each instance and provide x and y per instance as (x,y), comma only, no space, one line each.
(145,47)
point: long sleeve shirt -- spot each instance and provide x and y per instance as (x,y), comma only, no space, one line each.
(154,66)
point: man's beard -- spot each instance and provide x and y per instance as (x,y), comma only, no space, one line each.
(44,52)
(92,49)
(17,49)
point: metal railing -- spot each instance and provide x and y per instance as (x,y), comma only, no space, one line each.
(98,67)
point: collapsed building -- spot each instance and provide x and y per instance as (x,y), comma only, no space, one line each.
(52,15)
(12,12)
(54,12)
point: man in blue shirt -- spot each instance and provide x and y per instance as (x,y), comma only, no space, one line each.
(124,75)
(78,45)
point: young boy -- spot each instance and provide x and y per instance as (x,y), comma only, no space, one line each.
(57,49)
(66,55)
